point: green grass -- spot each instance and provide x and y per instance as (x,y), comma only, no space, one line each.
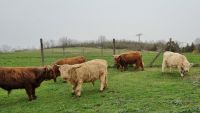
(128,92)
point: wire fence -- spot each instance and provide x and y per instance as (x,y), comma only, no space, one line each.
(33,57)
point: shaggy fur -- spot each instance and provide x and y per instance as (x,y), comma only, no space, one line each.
(70,61)
(176,60)
(28,78)
(86,72)
(130,58)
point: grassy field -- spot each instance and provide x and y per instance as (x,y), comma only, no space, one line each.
(128,92)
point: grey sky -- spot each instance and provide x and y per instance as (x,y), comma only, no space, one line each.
(23,22)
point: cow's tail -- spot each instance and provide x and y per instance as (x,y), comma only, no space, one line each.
(105,74)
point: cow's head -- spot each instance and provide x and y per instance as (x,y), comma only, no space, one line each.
(82,59)
(49,73)
(56,71)
(186,67)
(67,71)
(116,60)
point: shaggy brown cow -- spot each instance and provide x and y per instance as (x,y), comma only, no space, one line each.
(27,78)
(132,57)
(70,61)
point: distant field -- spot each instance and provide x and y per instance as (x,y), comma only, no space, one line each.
(128,92)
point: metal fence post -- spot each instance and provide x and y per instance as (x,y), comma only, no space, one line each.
(42,51)
(113,46)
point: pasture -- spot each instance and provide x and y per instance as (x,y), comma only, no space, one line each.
(128,92)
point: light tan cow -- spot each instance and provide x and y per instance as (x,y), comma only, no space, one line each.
(70,61)
(85,72)
(176,60)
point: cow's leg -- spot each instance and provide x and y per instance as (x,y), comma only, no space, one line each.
(142,65)
(74,88)
(54,79)
(137,65)
(78,89)
(181,71)
(163,66)
(121,68)
(102,81)
(118,66)
(33,93)
(105,83)
(125,67)
(182,74)
(29,93)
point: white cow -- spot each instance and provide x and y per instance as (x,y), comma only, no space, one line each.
(89,71)
(171,59)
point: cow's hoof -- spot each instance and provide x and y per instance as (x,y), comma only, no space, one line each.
(72,93)
(100,90)
(78,96)
(35,97)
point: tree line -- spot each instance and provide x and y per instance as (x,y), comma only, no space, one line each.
(103,43)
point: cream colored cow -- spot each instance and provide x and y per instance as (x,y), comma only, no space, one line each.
(86,72)
(171,59)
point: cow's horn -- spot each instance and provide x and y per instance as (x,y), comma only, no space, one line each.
(49,67)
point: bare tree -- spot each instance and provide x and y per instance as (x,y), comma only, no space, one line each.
(69,42)
(6,48)
(197,44)
(46,44)
(101,41)
(52,43)
(63,43)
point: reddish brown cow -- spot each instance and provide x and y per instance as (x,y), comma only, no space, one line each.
(133,57)
(28,78)
(70,61)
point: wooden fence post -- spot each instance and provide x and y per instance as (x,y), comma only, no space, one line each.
(151,63)
(113,46)
(42,51)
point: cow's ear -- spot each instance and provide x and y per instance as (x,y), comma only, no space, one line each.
(115,56)
(49,67)
(56,66)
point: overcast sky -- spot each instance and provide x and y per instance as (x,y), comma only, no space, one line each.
(24,22)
